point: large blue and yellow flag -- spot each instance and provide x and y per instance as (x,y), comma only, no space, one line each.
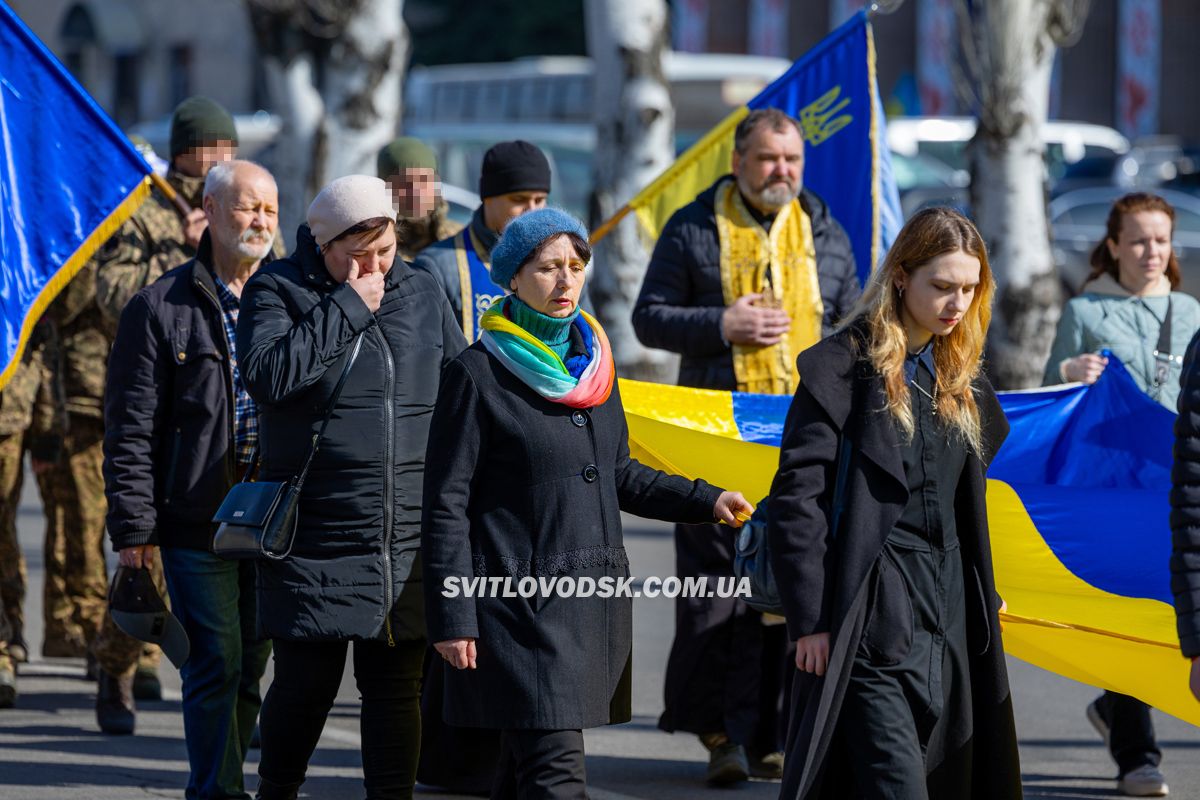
(832,90)
(1077,502)
(68,179)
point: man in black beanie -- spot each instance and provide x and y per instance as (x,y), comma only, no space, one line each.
(515,178)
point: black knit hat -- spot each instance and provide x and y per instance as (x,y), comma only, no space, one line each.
(198,121)
(514,167)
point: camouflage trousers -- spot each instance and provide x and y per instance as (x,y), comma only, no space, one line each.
(12,562)
(117,652)
(76,577)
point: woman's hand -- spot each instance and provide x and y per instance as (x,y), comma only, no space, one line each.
(812,653)
(1086,368)
(459,653)
(369,287)
(732,509)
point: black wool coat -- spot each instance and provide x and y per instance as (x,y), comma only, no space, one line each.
(680,304)
(823,579)
(517,486)
(356,555)
(1185,505)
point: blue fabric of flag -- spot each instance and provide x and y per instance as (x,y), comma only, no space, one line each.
(68,178)
(832,91)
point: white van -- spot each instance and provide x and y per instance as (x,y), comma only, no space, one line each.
(945,138)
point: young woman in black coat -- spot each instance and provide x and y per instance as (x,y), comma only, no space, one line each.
(885,572)
(527,473)
(354,570)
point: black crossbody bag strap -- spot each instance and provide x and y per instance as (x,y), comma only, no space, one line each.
(333,399)
(1162,351)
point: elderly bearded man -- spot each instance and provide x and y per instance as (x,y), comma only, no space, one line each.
(742,279)
(180,429)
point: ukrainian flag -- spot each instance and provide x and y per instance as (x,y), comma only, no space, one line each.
(68,179)
(833,92)
(1077,502)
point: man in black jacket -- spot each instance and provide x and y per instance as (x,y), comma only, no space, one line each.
(1185,513)
(180,429)
(742,279)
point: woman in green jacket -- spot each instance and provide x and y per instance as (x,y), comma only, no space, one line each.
(1125,302)
(1129,307)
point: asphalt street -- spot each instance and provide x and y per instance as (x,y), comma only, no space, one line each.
(51,749)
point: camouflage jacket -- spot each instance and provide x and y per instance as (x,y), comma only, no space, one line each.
(147,245)
(414,235)
(82,337)
(20,396)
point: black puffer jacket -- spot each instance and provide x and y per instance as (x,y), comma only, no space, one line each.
(1185,505)
(681,303)
(356,552)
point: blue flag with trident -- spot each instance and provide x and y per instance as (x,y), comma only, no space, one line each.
(831,90)
(68,179)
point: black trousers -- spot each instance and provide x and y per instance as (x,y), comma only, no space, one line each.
(541,765)
(1131,731)
(307,677)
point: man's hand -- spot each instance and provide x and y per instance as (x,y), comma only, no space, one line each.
(141,555)
(1086,368)
(369,287)
(194,226)
(459,653)
(812,653)
(733,509)
(747,323)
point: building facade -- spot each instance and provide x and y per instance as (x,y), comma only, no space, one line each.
(139,58)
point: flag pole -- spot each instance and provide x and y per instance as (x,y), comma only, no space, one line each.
(609,224)
(169,192)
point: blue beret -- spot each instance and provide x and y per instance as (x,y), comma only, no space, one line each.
(525,233)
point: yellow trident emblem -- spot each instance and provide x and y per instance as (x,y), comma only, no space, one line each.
(817,118)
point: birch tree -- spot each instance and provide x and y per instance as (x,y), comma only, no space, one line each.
(635,125)
(334,73)
(1008,49)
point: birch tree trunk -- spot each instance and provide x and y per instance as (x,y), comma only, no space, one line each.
(334,72)
(1008,53)
(635,126)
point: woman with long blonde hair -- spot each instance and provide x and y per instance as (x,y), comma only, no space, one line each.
(879,539)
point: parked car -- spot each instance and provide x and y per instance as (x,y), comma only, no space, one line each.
(1077,221)
(946,138)
(1148,164)
(462,202)
(923,181)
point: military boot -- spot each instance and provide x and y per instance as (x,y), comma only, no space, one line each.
(8,682)
(115,712)
(146,685)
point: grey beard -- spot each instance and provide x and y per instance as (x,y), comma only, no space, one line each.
(248,249)
(775,196)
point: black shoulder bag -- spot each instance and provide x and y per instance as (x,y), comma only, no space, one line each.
(1162,351)
(752,550)
(257,519)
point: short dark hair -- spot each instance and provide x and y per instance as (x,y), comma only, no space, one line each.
(370,229)
(582,248)
(776,119)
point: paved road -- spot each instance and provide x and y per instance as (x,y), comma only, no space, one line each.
(50,748)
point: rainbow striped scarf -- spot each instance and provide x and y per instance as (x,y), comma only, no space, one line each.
(541,369)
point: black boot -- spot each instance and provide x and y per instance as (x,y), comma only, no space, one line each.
(8,683)
(267,790)
(146,685)
(115,712)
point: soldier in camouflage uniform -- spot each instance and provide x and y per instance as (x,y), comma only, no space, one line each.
(72,485)
(157,238)
(16,435)
(409,167)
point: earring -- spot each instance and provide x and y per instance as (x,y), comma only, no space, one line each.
(900,292)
